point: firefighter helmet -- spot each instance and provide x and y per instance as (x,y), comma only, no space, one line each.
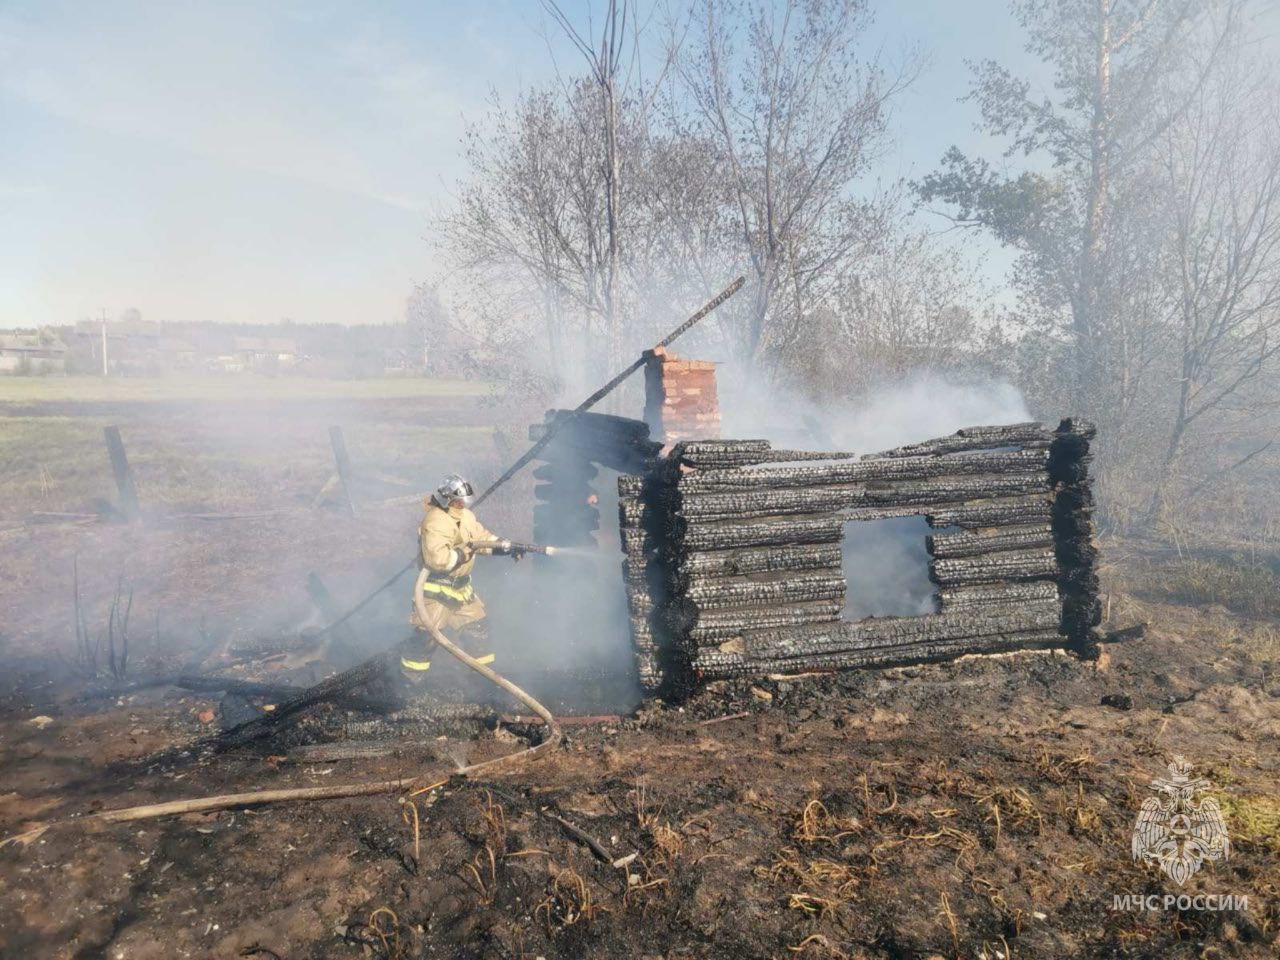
(453,487)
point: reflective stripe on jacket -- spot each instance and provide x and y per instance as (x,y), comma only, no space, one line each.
(459,591)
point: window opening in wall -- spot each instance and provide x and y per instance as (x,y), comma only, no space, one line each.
(886,566)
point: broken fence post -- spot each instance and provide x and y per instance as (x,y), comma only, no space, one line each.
(343,464)
(124,476)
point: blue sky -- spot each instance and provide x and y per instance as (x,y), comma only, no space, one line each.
(236,161)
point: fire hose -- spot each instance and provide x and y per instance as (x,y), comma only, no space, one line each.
(256,797)
(553,728)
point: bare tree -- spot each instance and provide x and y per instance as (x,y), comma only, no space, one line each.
(1221,190)
(797,115)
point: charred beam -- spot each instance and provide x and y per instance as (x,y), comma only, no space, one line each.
(762,503)
(760,533)
(994,567)
(120,469)
(977,438)
(715,625)
(712,664)
(843,636)
(862,471)
(760,560)
(998,512)
(986,594)
(971,543)
(737,592)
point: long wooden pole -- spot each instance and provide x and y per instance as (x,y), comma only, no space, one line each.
(553,429)
(223,801)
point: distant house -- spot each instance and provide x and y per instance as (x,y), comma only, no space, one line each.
(40,352)
(258,353)
(177,352)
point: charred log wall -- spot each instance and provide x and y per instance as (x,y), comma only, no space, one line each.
(566,513)
(734,566)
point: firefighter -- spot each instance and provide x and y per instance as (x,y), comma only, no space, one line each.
(450,600)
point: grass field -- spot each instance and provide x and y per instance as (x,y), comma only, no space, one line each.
(241,387)
(255,442)
(60,463)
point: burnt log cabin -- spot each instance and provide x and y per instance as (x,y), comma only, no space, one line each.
(733,551)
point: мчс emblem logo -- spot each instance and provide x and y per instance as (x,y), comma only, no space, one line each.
(1177,831)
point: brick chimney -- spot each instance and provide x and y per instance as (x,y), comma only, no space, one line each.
(680,400)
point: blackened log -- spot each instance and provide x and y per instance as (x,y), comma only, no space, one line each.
(715,625)
(976,438)
(635,541)
(999,593)
(861,471)
(600,422)
(994,567)
(844,635)
(739,591)
(712,664)
(632,513)
(948,490)
(616,457)
(765,503)
(970,543)
(344,684)
(760,560)
(203,683)
(635,573)
(717,448)
(998,512)
(1077,566)
(639,603)
(759,533)
(595,434)
(1078,426)
(736,459)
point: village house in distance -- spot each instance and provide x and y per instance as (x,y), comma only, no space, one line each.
(134,347)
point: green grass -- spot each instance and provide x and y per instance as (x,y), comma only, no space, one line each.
(59,463)
(47,463)
(239,387)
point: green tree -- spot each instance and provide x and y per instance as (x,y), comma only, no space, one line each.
(1123,72)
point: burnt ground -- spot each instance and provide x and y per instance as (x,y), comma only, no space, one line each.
(975,808)
(980,808)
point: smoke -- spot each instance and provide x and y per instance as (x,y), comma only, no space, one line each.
(896,412)
(559,624)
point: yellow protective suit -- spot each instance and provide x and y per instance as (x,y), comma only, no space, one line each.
(450,600)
